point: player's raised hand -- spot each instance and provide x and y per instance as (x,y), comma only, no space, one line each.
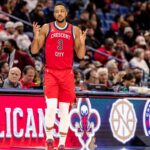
(36,29)
(83,36)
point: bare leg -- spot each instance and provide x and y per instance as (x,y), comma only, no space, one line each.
(64,122)
(50,116)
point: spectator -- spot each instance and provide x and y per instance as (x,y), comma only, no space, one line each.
(103,78)
(31,4)
(38,80)
(91,9)
(23,41)
(4,69)
(122,25)
(27,77)
(115,25)
(3,18)
(129,36)
(91,66)
(48,10)
(148,44)
(74,8)
(128,80)
(84,62)
(16,58)
(1,82)
(129,18)
(22,11)
(37,15)
(85,15)
(3,56)
(91,40)
(147,58)
(97,30)
(144,16)
(147,38)
(138,74)
(78,80)
(118,78)
(112,69)
(122,51)
(114,29)
(138,61)
(105,5)
(13,78)
(1,27)
(88,67)
(91,77)
(8,33)
(140,42)
(95,21)
(106,49)
(39,69)
(9,6)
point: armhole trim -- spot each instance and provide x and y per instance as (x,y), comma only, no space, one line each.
(49,30)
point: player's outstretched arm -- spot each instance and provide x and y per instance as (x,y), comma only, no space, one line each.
(39,37)
(80,37)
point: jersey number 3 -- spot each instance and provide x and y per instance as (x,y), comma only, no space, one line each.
(60,44)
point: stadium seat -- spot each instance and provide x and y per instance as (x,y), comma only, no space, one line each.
(123,10)
(109,16)
(100,15)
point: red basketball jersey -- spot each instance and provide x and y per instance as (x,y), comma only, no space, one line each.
(59,47)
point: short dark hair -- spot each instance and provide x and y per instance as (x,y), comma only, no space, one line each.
(26,68)
(13,43)
(88,74)
(119,38)
(60,3)
(21,4)
(2,64)
(128,77)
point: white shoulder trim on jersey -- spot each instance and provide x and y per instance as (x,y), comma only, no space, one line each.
(60,27)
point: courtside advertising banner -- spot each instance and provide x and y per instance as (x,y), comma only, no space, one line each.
(111,121)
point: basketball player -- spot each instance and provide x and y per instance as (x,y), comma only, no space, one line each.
(60,38)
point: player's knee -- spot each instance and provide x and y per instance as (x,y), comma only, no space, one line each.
(51,103)
(64,109)
(50,111)
(50,117)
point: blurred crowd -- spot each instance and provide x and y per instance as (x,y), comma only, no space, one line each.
(117,57)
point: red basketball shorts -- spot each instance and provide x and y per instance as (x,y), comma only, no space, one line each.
(59,84)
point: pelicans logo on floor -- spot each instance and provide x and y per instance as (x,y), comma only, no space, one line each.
(146,118)
(84,121)
(123,120)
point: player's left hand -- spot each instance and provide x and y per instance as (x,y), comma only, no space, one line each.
(83,36)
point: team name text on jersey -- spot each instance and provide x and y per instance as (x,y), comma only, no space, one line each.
(62,35)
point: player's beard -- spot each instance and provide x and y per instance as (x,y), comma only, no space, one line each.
(60,21)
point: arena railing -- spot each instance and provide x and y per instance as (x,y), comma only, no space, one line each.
(104,54)
(78,93)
